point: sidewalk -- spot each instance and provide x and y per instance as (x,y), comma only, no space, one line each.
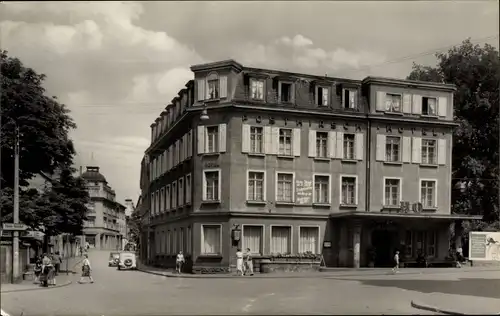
(323,273)
(457,304)
(62,279)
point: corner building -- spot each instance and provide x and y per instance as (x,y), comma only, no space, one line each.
(293,163)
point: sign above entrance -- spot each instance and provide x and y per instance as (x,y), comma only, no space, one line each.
(16,226)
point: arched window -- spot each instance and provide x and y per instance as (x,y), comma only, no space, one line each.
(213,86)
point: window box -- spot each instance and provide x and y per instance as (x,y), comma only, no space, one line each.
(285,157)
(349,161)
(321,205)
(427,165)
(321,159)
(284,203)
(393,163)
(209,202)
(257,155)
(348,206)
(256,202)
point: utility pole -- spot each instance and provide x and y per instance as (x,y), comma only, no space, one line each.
(15,234)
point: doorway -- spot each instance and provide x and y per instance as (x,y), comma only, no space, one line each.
(383,240)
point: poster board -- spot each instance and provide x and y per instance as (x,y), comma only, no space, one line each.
(484,246)
(303,192)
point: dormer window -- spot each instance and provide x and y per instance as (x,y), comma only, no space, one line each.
(212,87)
(350,99)
(257,89)
(322,96)
(393,102)
(429,106)
(286,92)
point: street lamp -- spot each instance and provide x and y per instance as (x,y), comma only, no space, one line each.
(204,115)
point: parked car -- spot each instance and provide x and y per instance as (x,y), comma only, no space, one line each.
(127,261)
(114,258)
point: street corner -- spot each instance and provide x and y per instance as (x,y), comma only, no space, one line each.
(12,288)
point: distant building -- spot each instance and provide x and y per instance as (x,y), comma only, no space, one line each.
(295,163)
(105,226)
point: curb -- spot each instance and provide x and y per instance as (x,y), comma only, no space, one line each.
(434,309)
(39,288)
(226,276)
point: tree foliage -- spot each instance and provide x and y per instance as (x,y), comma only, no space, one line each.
(475,71)
(134,226)
(43,124)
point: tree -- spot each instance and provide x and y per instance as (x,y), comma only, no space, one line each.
(134,226)
(43,124)
(475,71)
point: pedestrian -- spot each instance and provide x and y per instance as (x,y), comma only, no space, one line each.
(56,262)
(47,271)
(248,262)
(239,262)
(179,262)
(38,269)
(396,262)
(86,270)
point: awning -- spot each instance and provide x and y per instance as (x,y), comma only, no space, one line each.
(402,216)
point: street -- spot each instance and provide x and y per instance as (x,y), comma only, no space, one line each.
(135,293)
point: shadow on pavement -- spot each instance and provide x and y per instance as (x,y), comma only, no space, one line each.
(474,287)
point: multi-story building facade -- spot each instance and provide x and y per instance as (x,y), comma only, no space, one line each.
(106,217)
(297,163)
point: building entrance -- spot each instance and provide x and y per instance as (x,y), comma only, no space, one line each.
(383,241)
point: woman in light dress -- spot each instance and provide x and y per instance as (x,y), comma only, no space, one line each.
(86,269)
(239,262)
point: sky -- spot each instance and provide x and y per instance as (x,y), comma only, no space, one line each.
(116,65)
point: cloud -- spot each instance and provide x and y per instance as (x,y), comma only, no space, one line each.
(300,53)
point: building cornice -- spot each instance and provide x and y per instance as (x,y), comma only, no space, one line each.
(230,63)
(409,84)
(412,121)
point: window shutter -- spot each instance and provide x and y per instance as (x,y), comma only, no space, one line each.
(380,106)
(332,142)
(268,144)
(417,104)
(407,103)
(245,138)
(416,156)
(222,138)
(296,142)
(441,151)
(312,143)
(201,89)
(223,86)
(442,106)
(182,150)
(406,154)
(340,145)
(201,139)
(275,140)
(380,151)
(360,146)
(292,94)
(316,91)
(186,145)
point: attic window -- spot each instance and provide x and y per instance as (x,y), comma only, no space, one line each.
(285,92)
(213,86)
(429,106)
(322,96)
(350,99)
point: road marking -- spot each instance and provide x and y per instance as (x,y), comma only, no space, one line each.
(4,313)
(247,307)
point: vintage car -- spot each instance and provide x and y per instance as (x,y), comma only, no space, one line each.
(114,258)
(127,261)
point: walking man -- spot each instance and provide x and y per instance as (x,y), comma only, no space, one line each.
(179,262)
(396,262)
(248,262)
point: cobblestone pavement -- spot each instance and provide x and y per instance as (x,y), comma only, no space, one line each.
(136,293)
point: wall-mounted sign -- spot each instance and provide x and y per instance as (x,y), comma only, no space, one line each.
(303,191)
(327,244)
(484,246)
(212,165)
(16,226)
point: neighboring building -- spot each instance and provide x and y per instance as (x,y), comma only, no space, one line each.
(106,217)
(143,209)
(300,163)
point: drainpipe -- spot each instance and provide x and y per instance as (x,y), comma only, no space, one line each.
(368,162)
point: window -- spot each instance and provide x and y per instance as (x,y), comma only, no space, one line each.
(181,153)
(322,144)
(281,239)
(321,189)
(181,191)
(255,186)
(162,196)
(427,193)
(168,198)
(349,148)
(431,244)
(211,239)
(174,155)
(285,187)
(188,189)
(392,145)
(322,96)
(211,186)
(429,106)
(174,195)
(188,240)
(393,102)
(213,89)
(392,194)
(350,99)
(308,239)
(285,139)
(286,92)
(181,240)
(212,139)
(408,243)
(257,89)
(256,140)
(348,191)
(169,242)
(252,238)
(429,151)
(174,242)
